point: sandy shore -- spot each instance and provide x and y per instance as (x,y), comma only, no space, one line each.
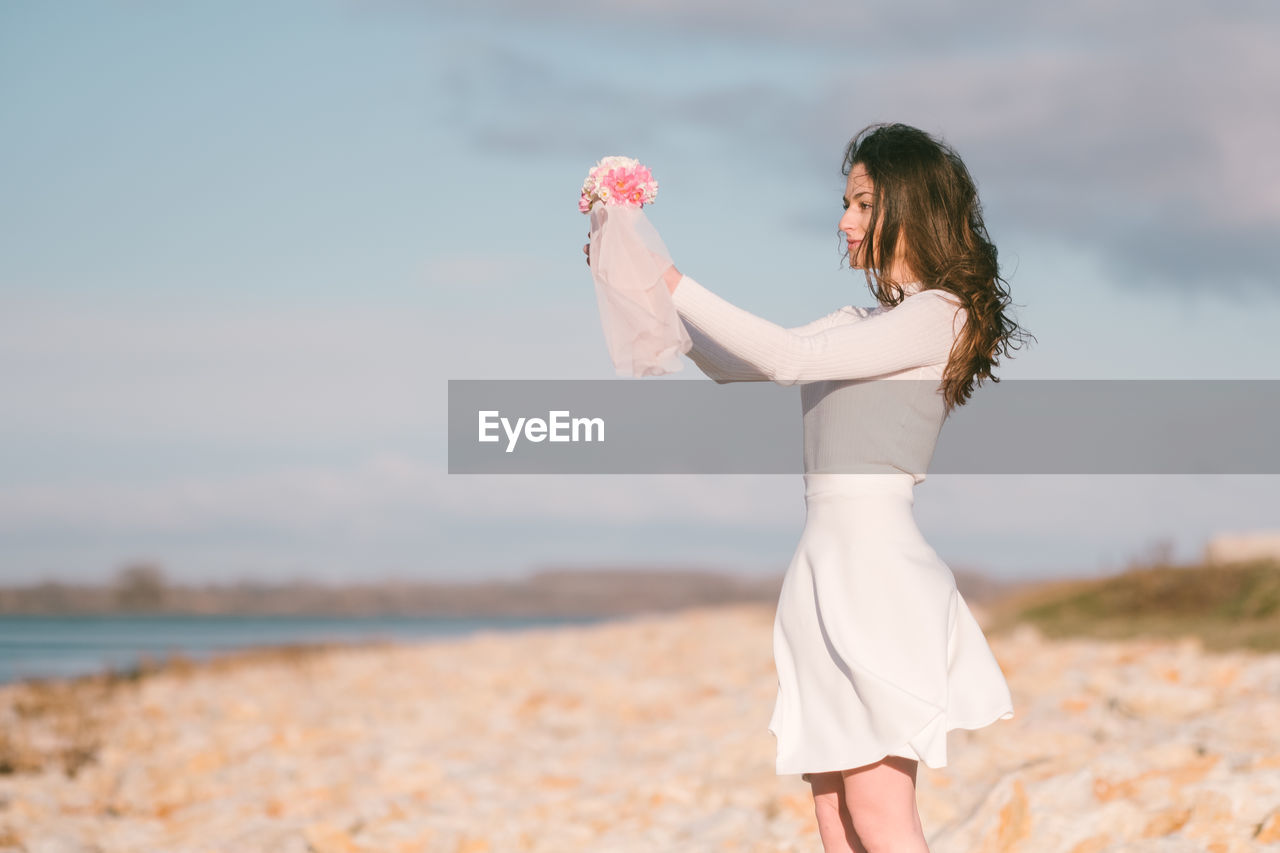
(647,734)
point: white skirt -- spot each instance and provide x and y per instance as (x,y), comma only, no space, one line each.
(876,651)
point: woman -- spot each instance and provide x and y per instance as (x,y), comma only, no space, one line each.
(877,653)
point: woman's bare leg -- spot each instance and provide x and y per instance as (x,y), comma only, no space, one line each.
(834,824)
(881,800)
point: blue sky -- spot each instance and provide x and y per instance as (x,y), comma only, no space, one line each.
(247,244)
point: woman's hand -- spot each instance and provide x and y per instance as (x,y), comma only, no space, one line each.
(672,277)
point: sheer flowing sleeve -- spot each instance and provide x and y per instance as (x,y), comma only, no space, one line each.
(918,331)
(641,328)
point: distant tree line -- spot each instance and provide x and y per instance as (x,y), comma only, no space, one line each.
(142,587)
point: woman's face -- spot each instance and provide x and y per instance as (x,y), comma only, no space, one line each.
(859,193)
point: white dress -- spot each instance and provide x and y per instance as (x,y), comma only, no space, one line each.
(876,651)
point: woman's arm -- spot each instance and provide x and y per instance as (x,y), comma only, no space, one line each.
(723,366)
(847,314)
(918,331)
(719,364)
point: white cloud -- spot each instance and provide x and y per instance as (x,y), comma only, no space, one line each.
(386,490)
(247,369)
(395,511)
(1143,132)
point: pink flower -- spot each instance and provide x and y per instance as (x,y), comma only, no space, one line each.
(618,181)
(621,182)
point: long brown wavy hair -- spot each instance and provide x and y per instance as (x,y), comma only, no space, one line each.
(926,202)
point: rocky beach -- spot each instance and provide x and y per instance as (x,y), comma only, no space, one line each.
(646,733)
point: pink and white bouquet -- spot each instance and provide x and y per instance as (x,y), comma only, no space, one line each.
(618,180)
(628,259)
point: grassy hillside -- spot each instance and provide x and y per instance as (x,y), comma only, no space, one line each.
(1228,607)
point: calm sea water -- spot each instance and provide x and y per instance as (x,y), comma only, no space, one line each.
(64,646)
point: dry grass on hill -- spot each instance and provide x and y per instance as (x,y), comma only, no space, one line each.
(1233,606)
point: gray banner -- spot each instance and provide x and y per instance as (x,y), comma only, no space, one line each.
(611,426)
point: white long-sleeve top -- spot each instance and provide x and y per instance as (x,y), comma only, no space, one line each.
(853,421)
